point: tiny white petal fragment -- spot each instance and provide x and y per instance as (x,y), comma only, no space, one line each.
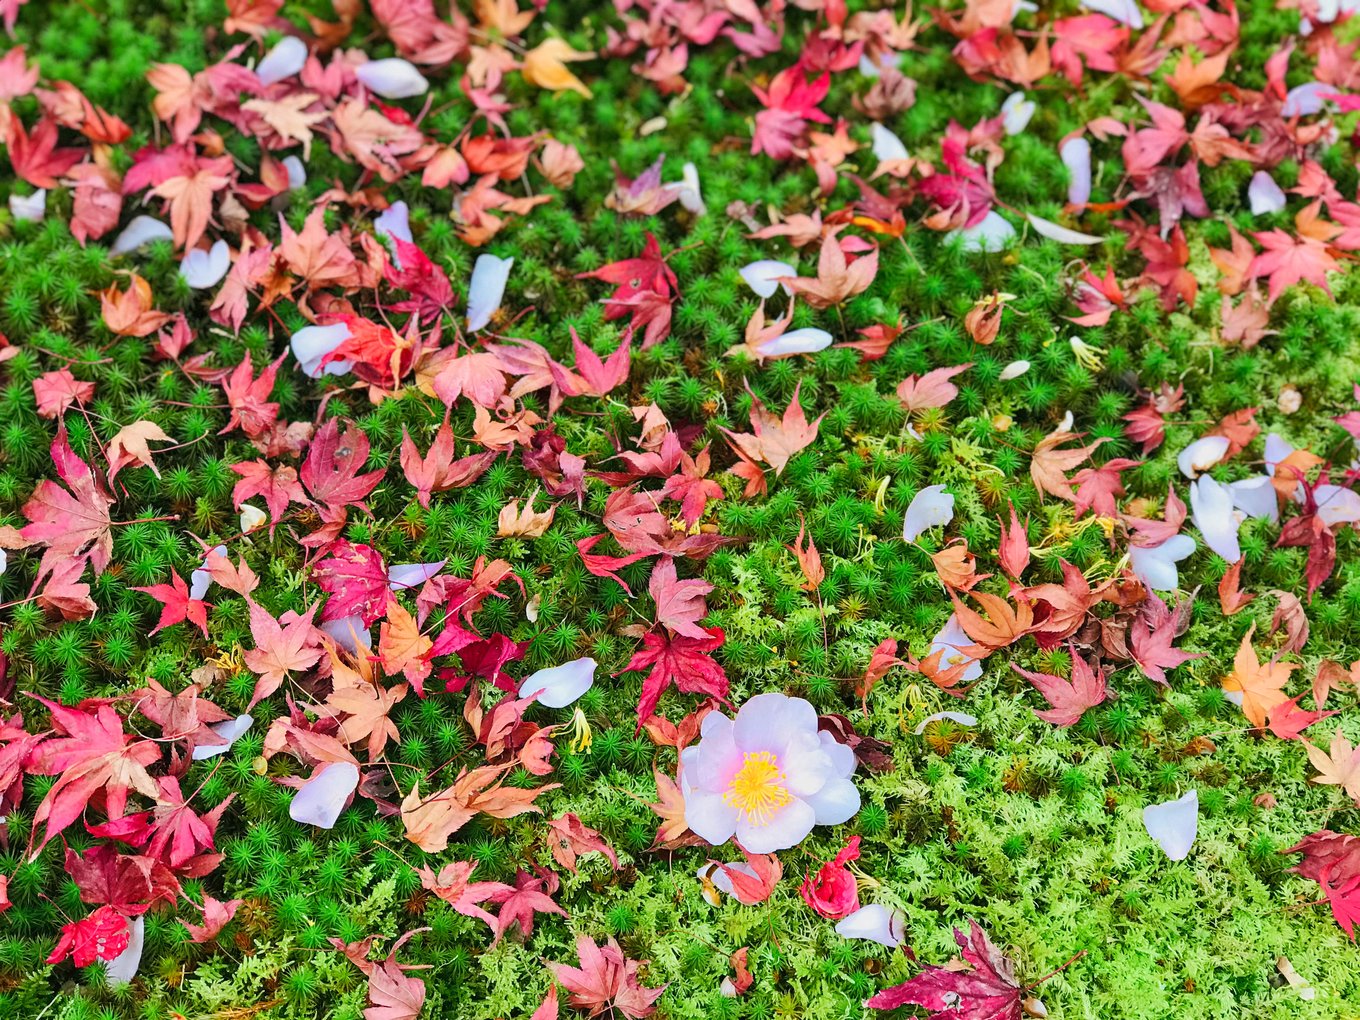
(1057,232)
(297,172)
(200,579)
(1264,194)
(140,232)
(1201,455)
(312,343)
(887,147)
(1126,12)
(283,61)
(1014,371)
(29,208)
(876,923)
(392,78)
(800,341)
(763,276)
(962,718)
(489,276)
(202,269)
(688,191)
(230,731)
(1174,824)
(395,221)
(1076,156)
(321,798)
(560,686)
(349,633)
(252,517)
(931,506)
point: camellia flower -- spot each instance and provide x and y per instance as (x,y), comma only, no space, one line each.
(559,686)
(766,777)
(876,923)
(834,893)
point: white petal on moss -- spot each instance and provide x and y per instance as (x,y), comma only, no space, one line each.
(1306,100)
(200,579)
(1211,507)
(392,78)
(320,800)
(1201,455)
(876,923)
(1264,194)
(763,276)
(1076,156)
(29,208)
(887,147)
(297,172)
(489,276)
(799,341)
(1256,497)
(1057,232)
(395,221)
(962,718)
(560,686)
(1155,566)
(283,61)
(1014,371)
(993,234)
(202,268)
(123,967)
(1337,504)
(139,233)
(931,506)
(1125,12)
(230,731)
(1016,112)
(1174,824)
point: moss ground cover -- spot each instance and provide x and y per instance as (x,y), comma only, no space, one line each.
(1034,830)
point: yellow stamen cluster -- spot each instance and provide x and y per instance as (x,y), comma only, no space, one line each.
(757,790)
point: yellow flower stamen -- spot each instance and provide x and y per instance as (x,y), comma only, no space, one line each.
(580,730)
(757,790)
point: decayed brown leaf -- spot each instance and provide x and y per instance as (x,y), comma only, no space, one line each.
(527,523)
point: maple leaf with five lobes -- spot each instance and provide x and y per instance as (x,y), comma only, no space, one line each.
(74,522)
(606,979)
(681,661)
(334,460)
(176,605)
(286,645)
(775,440)
(1262,686)
(248,397)
(1151,633)
(836,279)
(986,989)
(90,754)
(531,894)
(1340,766)
(453,884)
(355,578)
(679,604)
(35,157)
(437,470)
(1067,700)
(190,199)
(130,446)
(403,648)
(289,117)
(430,821)
(1288,260)
(1048,463)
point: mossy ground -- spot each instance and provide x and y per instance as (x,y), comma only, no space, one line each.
(1034,831)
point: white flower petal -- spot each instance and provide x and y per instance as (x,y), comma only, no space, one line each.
(1264,194)
(202,269)
(1306,100)
(395,221)
(808,340)
(887,147)
(392,78)
(349,633)
(993,234)
(1016,112)
(1201,455)
(1057,232)
(230,731)
(1125,12)
(688,191)
(1155,566)
(1174,824)
(200,579)
(1255,497)
(321,798)
(408,575)
(1211,507)
(252,517)
(297,172)
(1337,505)
(312,343)
(1014,371)
(763,276)
(1076,156)
(875,923)
(283,61)
(948,642)
(123,967)
(930,507)
(29,208)
(140,232)
(560,686)
(489,276)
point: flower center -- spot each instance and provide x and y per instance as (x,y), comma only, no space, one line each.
(757,789)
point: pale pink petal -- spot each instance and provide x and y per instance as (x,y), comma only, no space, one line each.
(349,633)
(202,269)
(788,827)
(1016,112)
(1201,455)
(29,208)
(1264,194)
(1057,232)
(123,967)
(1337,505)
(1125,12)
(230,731)
(140,232)
(1156,566)
(763,276)
(993,234)
(410,575)
(875,923)
(961,718)
(489,277)
(800,341)
(1076,156)
(283,61)
(887,147)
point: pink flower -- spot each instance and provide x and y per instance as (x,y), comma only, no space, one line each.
(834,894)
(766,777)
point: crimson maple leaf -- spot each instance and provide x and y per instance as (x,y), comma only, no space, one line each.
(90,754)
(130,883)
(1068,700)
(679,604)
(278,486)
(1151,633)
(604,566)
(1332,859)
(216,916)
(74,522)
(334,460)
(36,157)
(591,376)
(1308,529)
(437,471)
(453,884)
(355,577)
(1097,488)
(531,894)
(101,935)
(429,287)
(176,605)
(285,645)
(679,660)
(986,990)
(248,398)
(606,978)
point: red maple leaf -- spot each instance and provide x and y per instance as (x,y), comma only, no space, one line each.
(101,935)
(1068,700)
(129,883)
(592,376)
(604,566)
(1151,633)
(429,287)
(74,522)
(91,754)
(216,916)
(986,990)
(1097,488)
(355,577)
(790,101)
(36,157)
(334,460)
(679,660)
(531,894)
(679,604)
(1288,260)
(278,486)
(248,398)
(176,605)
(1311,531)
(572,837)
(606,978)
(285,645)
(437,471)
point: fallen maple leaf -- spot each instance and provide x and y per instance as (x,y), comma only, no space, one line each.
(680,605)
(606,979)
(1262,686)
(985,989)
(545,66)
(176,605)
(130,446)
(438,471)
(430,821)
(131,312)
(1048,464)
(402,647)
(836,279)
(1068,700)
(1340,766)
(288,644)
